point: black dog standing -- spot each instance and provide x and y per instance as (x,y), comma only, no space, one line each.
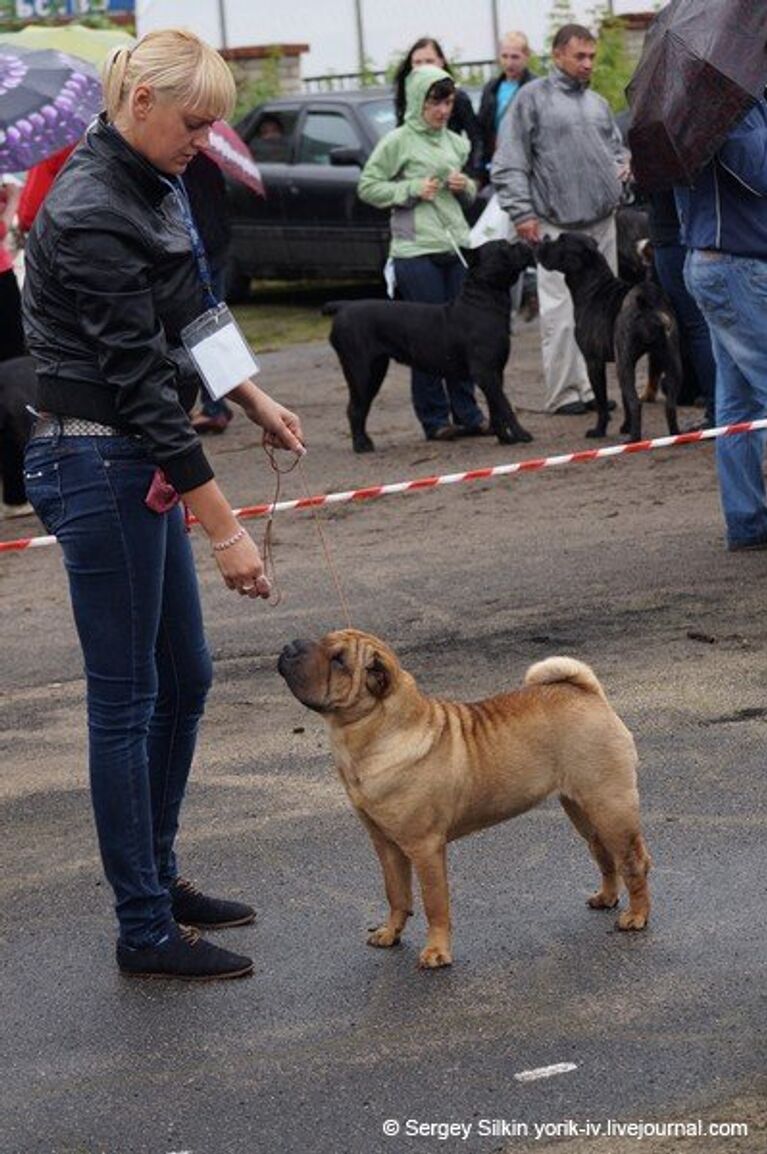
(468,339)
(617,321)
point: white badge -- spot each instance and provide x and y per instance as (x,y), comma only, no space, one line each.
(221,354)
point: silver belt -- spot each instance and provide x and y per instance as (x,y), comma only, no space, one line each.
(74,427)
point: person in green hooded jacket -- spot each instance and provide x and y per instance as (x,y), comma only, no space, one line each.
(416,171)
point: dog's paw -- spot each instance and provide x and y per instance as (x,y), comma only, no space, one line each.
(363,445)
(434,957)
(383,937)
(631,921)
(601,901)
(518,436)
(597,431)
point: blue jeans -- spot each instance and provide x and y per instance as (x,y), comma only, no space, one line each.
(732,294)
(420,279)
(696,339)
(137,611)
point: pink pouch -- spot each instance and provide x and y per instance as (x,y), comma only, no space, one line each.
(161,496)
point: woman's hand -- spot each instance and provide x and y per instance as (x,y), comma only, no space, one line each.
(282,428)
(232,546)
(429,188)
(242,568)
(457,182)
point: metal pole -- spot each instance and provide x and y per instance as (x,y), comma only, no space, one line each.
(362,63)
(496,27)
(222,22)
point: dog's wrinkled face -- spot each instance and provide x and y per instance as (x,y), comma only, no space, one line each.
(499,263)
(570,252)
(345,674)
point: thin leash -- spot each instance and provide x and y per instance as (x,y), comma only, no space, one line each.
(268,543)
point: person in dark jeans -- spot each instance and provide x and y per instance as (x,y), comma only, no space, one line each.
(206,188)
(668,257)
(114,273)
(417,171)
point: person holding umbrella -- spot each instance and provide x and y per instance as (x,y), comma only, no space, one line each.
(114,272)
(723,218)
(699,124)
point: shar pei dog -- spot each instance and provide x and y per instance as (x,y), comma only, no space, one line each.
(421,772)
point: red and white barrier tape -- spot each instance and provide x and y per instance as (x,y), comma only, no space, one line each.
(421,483)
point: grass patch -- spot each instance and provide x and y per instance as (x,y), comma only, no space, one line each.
(275,326)
(283,313)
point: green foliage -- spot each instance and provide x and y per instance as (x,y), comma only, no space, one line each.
(255,90)
(10,22)
(561,12)
(368,78)
(614,67)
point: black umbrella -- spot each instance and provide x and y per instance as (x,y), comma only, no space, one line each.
(47,100)
(703,65)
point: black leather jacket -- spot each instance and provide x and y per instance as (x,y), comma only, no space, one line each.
(110,282)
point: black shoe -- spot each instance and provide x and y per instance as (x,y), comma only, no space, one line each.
(746,546)
(183,955)
(191,908)
(591,406)
(441,433)
(573,409)
(481,430)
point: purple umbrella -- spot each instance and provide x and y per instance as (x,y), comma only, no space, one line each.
(47,100)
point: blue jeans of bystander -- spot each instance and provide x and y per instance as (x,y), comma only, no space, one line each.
(137,611)
(420,279)
(732,294)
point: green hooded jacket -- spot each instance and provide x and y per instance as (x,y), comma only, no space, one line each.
(400,163)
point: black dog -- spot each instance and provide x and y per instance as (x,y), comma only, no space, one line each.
(18,386)
(616,321)
(466,340)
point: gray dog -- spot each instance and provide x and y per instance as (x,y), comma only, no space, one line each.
(617,321)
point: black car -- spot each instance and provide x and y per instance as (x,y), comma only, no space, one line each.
(310,149)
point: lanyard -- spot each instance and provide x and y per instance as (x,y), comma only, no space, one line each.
(198,248)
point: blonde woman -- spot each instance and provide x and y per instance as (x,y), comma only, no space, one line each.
(115,271)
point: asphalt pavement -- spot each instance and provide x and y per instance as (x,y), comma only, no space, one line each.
(332,1046)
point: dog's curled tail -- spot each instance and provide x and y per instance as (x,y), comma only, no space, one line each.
(330,308)
(555,669)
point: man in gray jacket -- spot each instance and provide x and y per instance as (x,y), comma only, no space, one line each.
(558,167)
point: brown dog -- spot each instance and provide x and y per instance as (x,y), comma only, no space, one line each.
(422,772)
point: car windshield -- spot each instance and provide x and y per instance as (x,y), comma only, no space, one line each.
(379,116)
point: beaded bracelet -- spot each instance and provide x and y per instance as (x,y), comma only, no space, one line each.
(235,537)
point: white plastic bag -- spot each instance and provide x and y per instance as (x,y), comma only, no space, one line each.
(494,224)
